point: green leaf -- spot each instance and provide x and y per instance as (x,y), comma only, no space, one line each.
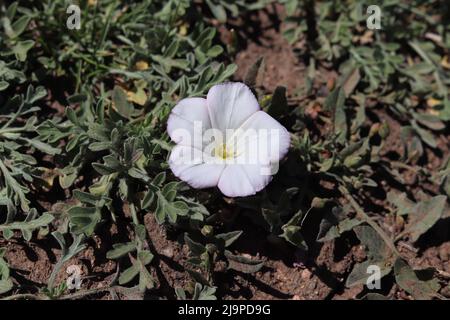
(334,224)
(214,51)
(350,81)
(3,85)
(148,199)
(129,274)
(84,219)
(169,191)
(160,212)
(146,280)
(6,283)
(335,103)
(401,202)
(120,249)
(378,254)
(376,248)
(12,9)
(217,10)
(359,274)
(292,235)
(197,277)
(67,253)
(425,215)
(291,231)
(272,217)
(167,209)
(21,49)
(19,25)
(252,73)
(44,147)
(196,248)
(159,178)
(243,264)
(86,197)
(18,190)
(145,257)
(204,292)
(103,169)
(229,238)
(430,121)
(139,267)
(42,221)
(374,296)
(76,98)
(123,107)
(181,294)
(278,105)
(408,280)
(424,135)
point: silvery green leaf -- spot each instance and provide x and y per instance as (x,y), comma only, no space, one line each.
(196,248)
(408,280)
(129,274)
(360,275)
(121,103)
(84,219)
(44,147)
(243,264)
(278,106)
(424,215)
(33,224)
(252,73)
(334,224)
(401,202)
(21,49)
(229,237)
(120,249)
(6,283)
(19,25)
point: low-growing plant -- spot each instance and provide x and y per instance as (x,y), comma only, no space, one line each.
(85,146)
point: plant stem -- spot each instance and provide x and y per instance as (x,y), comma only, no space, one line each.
(83,293)
(41,296)
(27,296)
(11,130)
(363,216)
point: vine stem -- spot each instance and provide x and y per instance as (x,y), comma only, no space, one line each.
(363,216)
(28,296)
(88,292)
(11,130)
(75,295)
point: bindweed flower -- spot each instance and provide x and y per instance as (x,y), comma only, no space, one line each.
(226,141)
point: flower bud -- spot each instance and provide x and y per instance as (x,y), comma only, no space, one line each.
(318,203)
(207,230)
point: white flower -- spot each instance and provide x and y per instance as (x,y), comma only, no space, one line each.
(226,141)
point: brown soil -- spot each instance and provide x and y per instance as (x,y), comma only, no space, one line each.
(281,66)
(287,274)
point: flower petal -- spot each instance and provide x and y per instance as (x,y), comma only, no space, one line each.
(261,139)
(230,104)
(187,121)
(234,182)
(189,165)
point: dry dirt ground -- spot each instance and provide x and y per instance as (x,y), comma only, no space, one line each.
(318,274)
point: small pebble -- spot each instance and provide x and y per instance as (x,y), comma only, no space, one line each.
(168,252)
(306,274)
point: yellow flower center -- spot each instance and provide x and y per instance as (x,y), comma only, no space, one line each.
(223,152)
